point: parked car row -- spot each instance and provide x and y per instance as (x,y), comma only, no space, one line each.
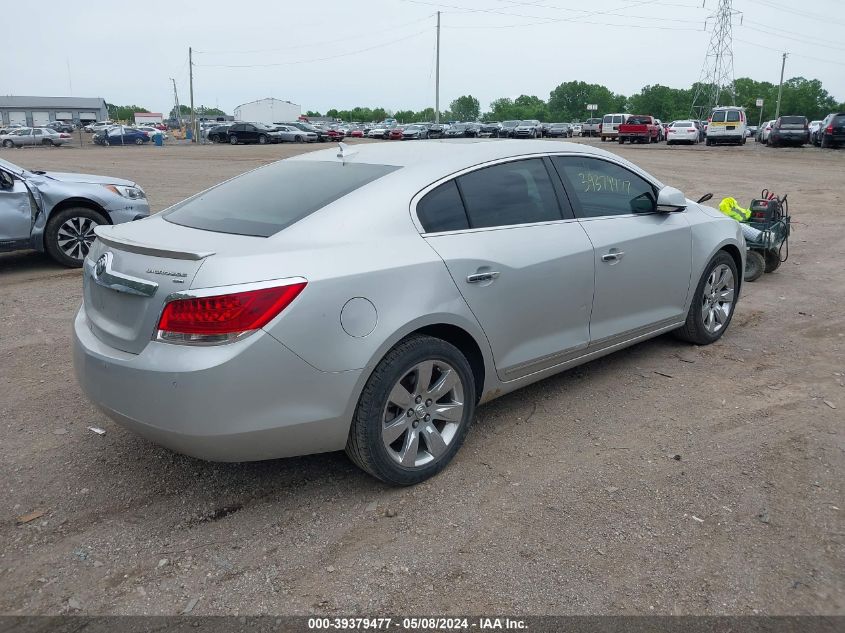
(797,131)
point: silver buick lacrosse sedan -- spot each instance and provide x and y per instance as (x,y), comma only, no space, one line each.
(369,298)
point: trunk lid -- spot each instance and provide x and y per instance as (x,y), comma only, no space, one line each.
(131,270)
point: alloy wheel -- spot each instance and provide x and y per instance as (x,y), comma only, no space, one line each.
(423,413)
(75,236)
(717,298)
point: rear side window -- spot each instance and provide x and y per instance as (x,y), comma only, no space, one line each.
(520,192)
(265,201)
(733,115)
(599,188)
(617,119)
(442,209)
(718,116)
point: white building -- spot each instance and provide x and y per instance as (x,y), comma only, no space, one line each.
(268,110)
(148,118)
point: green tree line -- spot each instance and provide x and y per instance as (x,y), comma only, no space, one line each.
(568,101)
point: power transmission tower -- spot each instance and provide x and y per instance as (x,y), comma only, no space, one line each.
(717,73)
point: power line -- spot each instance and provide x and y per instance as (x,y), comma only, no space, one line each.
(804,14)
(546,19)
(312,44)
(802,39)
(317,59)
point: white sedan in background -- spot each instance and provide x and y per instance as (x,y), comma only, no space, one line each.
(152,131)
(682,132)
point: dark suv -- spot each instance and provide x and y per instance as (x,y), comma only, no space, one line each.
(789,130)
(832,130)
(253,133)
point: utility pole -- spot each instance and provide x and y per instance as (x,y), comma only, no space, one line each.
(191,75)
(780,87)
(437,76)
(177,108)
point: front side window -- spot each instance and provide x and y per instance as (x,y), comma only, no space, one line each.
(600,188)
(519,192)
(266,200)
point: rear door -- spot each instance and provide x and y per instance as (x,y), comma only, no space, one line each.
(643,259)
(524,267)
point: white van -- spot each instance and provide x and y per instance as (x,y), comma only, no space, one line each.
(610,125)
(727,124)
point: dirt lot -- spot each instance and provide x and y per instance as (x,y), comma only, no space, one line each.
(663,479)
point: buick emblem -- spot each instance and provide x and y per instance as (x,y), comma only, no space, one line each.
(102,263)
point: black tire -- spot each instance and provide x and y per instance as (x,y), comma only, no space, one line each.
(262,139)
(365,445)
(755,266)
(824,144)
(620,140)
(233,139)
(297,139)
(47,142)
(772,259)
(51,234)
(139,141)
(708,142)
(693,330)
(8,143)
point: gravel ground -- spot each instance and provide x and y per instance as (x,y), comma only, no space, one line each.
(663,479)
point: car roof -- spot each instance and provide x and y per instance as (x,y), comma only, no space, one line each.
(427,161)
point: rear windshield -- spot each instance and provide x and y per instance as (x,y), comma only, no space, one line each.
(792,121)
(639,120)
(718,116)
(683,124)
(617,118)
(265,201)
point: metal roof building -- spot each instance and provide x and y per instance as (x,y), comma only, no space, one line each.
(35,111)
(268,110)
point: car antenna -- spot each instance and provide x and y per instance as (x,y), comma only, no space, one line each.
(344,152)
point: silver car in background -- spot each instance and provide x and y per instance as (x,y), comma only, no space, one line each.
(31,136)
(369,300)
(288,133)
(57,212)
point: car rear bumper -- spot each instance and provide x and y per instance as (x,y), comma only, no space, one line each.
(245,401)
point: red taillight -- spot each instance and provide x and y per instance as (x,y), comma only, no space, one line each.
(223,317)
(829,129)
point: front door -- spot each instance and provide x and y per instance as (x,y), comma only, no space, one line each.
(643,259)
(524,268)
(16,212)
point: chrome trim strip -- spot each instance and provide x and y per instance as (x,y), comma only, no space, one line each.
(565,357)
(116,281)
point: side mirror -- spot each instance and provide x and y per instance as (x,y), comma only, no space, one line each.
(670,200)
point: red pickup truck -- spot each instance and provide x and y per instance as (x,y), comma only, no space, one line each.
(639,128)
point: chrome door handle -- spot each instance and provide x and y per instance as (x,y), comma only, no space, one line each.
(478,277)
(612,256)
